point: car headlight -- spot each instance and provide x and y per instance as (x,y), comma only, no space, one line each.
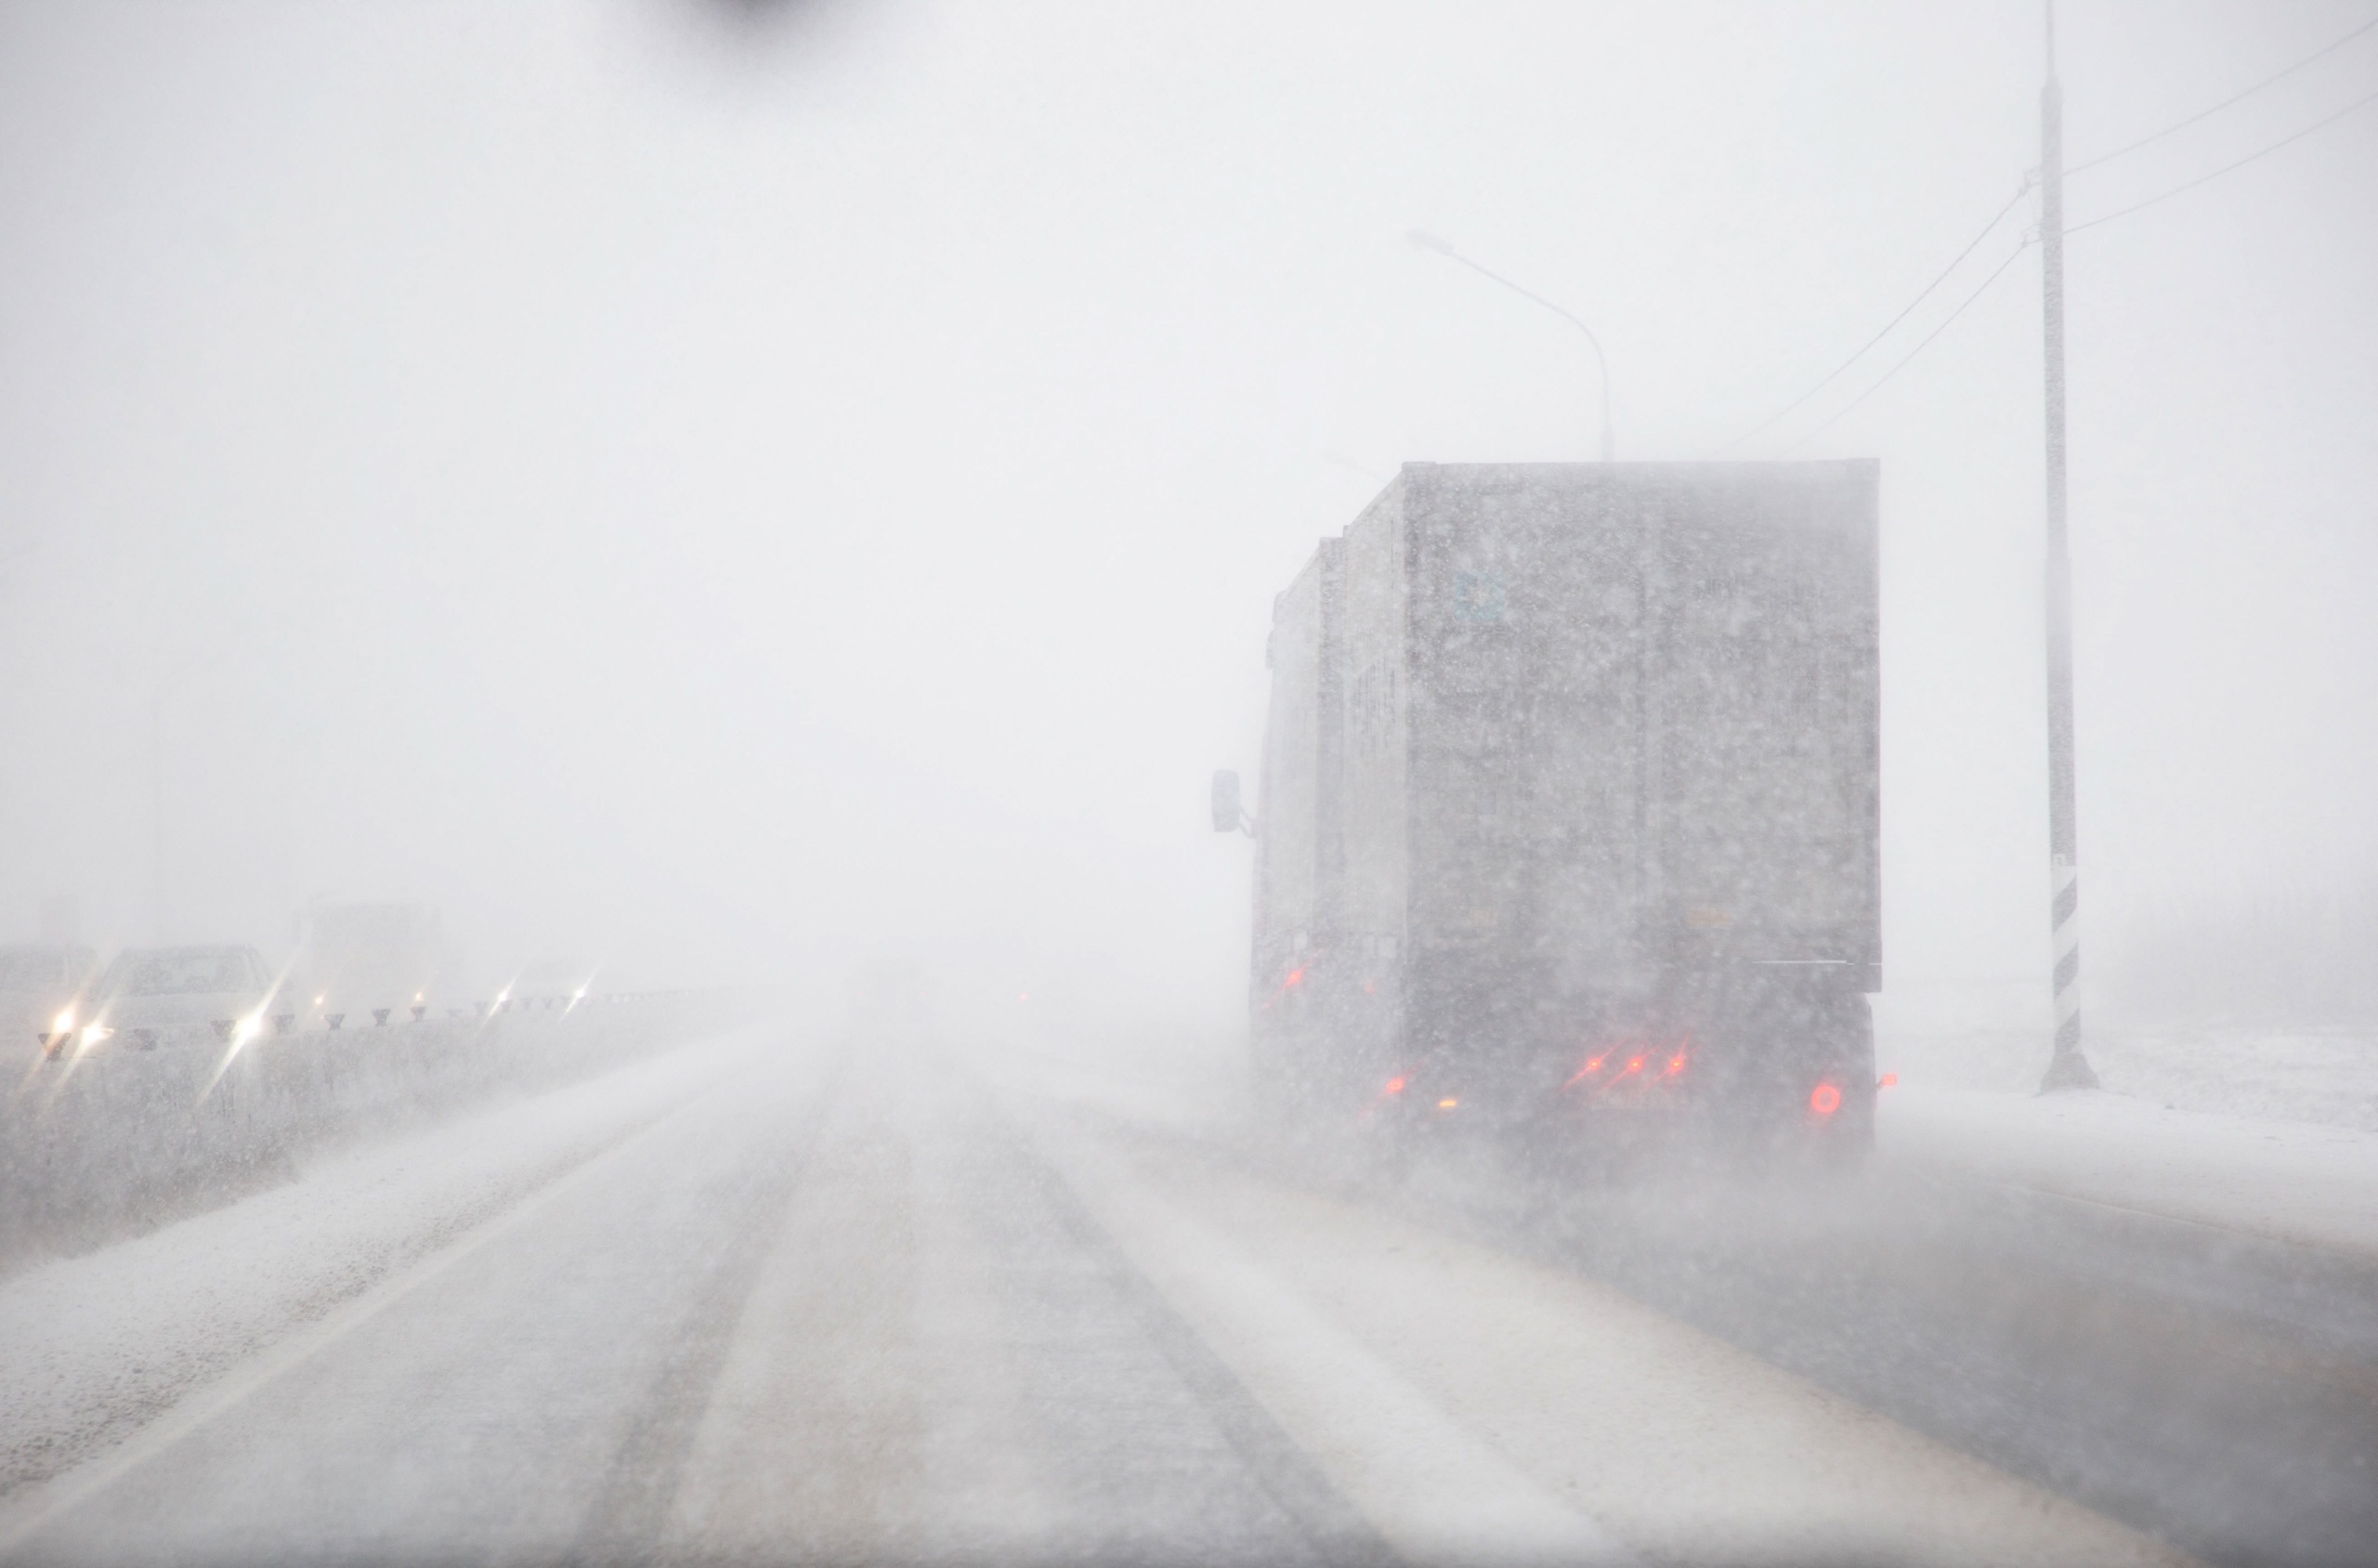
(64,1023)
(95,1033)
(247,1028)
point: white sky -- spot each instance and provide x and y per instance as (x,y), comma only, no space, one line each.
(689,494)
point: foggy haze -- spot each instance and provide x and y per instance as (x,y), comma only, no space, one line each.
(878,781)
(717,498)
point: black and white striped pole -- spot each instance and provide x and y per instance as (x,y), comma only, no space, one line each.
(2067,1067)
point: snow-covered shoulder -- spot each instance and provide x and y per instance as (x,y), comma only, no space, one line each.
(2293,1180)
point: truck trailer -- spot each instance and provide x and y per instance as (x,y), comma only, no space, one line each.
(388,958)
(1568,815)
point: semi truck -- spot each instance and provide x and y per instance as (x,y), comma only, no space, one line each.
(1568,823)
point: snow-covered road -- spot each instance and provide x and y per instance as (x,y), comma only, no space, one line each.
(757,1300)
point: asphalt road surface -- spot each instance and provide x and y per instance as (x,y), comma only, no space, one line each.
(866,1301)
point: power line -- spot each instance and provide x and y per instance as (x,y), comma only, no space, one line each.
(2024,190)
(2021,191)
(1994,274)
(2361,103)
(2242,94)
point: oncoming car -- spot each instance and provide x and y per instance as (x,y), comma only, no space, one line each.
(154,996)
(41,990)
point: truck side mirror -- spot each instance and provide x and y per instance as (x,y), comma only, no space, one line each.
(1228,814)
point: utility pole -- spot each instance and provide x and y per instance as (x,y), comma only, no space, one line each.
(2067,1067)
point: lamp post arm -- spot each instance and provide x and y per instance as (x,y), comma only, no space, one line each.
(1601,361)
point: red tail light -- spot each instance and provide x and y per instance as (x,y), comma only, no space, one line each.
(1395,1086)
(1825,1099)
(1887,1081)
(1665,1059)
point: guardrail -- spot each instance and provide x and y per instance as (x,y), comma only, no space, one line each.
(117,1139)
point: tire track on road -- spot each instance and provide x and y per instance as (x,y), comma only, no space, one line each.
(630,1524)
(1296,1483)
(1686,1442)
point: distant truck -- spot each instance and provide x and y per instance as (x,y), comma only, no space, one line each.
(364,958)
(1570,808)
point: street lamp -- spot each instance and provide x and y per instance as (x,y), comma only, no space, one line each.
(1426,242)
